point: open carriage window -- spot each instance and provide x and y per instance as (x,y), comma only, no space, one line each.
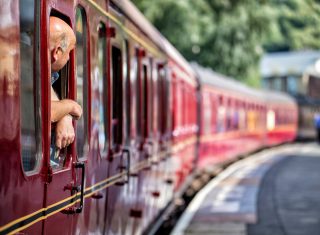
(60,85)
(29,87)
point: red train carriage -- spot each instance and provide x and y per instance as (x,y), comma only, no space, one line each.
(236,120)
(137,142)
(282,118)
(233,118)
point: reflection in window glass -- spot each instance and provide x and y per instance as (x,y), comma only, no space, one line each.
(133,91)
(102,104)
(30,119)
(81,49)
(128,94)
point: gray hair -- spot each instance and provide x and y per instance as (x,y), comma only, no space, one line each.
(64,43)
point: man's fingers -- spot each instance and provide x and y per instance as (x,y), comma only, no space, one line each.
(58,142)
(64,143)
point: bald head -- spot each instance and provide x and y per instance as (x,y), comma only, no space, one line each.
(62,40)
(60,33)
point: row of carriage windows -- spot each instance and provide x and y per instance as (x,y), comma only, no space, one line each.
(135,80)
(222,116)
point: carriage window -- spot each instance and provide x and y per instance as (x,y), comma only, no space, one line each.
(161,97)
(128,94)
(145,100)
(141,94)
(29,89)
(150,100)
(99,109)
(154,111)
(82,81)
(117,96)
(221,115)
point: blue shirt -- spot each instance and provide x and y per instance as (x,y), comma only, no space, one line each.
(54,77)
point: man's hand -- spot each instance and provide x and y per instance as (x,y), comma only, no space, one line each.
(64,132)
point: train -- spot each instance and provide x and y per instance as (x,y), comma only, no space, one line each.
(151,121)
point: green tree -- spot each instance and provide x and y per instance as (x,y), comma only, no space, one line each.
(234,48)
(295,25)
(231,35)
(185,23)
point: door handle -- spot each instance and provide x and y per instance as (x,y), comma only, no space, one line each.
(81,165)
(76,189)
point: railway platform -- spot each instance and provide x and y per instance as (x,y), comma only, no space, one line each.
(273,192)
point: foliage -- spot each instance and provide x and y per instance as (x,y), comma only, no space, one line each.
(231,35)
(295,27)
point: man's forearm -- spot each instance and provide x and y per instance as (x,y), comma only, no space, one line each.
(59,109)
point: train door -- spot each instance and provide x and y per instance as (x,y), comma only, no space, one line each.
(119,156)
(96,197)
(139,211)
(151,176)
(65,188)
(166,183)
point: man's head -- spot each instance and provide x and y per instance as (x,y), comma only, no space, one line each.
(62,41)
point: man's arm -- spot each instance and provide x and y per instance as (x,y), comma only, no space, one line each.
(60,113)
(61,108)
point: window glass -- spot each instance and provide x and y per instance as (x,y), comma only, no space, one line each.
(134,101)
(141,101)
(82,86)
(128,93)
(145,100)
(293,84)
(221,115)
(29,89)
(161,116)
(277,83)
(154,111)
(150,100)
(99,104)
(117,95)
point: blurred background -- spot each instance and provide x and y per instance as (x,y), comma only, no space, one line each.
(269,43)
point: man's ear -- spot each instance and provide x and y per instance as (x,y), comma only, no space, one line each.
(55,53)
